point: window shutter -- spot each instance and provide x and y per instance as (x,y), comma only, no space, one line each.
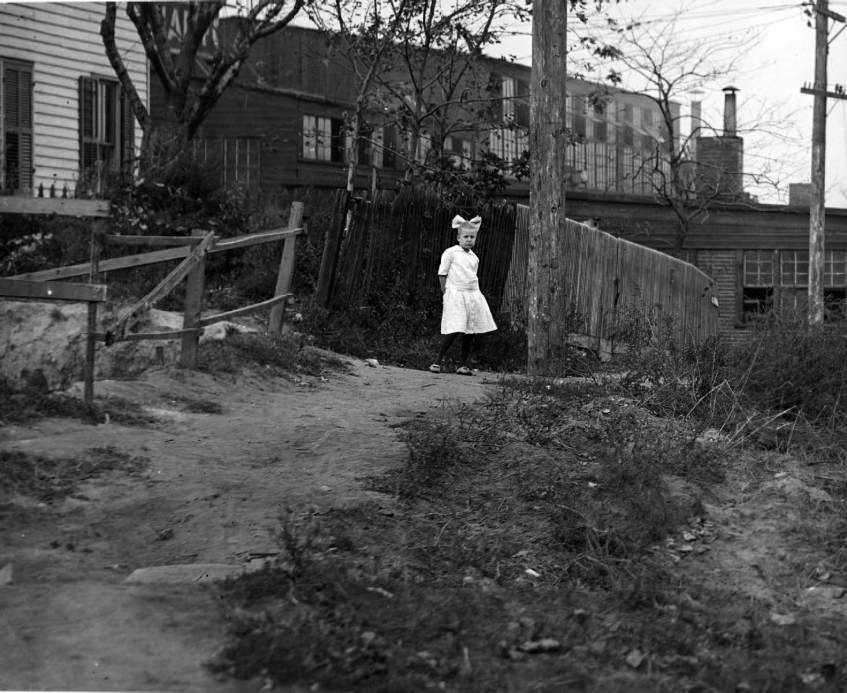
(17,134)
(378,148)
(522,103)
(127,144)
(339,141)
(87,102)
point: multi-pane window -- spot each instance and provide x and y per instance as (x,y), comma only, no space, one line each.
(599,119)
(784,275)
(579,117)
(627,134)
(323,138)
(390,158)
(794,268)
(521,111)
(834,274)
(459,151)
(757,284)
(514,94)
(106,126)
(835,284)
(365,144)
(424,147)
(235,159)
(648,141)
(16,126)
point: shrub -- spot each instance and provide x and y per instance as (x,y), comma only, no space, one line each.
(29,243)
(795,369)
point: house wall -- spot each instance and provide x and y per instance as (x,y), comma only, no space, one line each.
(722,267)
(63,42)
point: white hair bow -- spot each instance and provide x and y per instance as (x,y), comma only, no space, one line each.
(474,223)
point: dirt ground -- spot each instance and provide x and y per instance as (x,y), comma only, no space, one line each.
(109,590)
(211,487)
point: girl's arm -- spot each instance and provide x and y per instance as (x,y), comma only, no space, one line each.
(442,279)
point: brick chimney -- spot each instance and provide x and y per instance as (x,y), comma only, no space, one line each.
(799,194)
(720,159)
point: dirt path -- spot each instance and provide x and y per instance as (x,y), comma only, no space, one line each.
(211,488)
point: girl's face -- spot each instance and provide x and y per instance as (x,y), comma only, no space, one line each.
(466,238)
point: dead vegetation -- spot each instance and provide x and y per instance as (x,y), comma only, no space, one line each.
(559,536)
(676,528)
(49,480)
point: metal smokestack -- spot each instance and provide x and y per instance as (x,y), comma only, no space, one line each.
(696,124)
(730,121)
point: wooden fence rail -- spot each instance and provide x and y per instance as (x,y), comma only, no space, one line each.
(44,285)
(612,283)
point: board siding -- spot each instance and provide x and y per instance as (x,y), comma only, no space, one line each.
(62,41)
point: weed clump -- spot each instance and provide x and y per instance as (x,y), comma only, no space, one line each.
(435,453)
(48,480)
(23,406)
(797,369)
(277,355)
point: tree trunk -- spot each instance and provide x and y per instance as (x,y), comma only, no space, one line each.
(353,150)
(164,150)
(546,324)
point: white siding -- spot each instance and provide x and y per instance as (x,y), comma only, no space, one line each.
(63,42)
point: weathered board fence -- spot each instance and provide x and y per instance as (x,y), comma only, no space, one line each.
(394,245)
(612,282)
(50,289)
(191,250)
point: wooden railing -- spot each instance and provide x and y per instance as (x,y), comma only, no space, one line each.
(46,285)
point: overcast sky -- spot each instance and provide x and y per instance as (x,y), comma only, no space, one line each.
(778,56)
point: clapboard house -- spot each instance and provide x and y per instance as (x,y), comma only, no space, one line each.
(65,124)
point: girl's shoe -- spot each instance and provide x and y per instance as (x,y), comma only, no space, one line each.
(435,368)
(464,370)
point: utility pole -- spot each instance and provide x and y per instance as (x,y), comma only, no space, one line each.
(817,207)
(545,276)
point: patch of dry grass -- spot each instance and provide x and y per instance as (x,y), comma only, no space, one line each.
(279,356)
(26,406)
(48,480)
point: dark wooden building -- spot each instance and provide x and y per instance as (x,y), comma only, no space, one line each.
(282,124)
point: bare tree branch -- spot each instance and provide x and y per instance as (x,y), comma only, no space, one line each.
(107,32)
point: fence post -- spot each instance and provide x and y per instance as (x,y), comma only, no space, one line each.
(286,268)
(195,283)
(91,334)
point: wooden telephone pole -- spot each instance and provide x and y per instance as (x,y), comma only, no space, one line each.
(548,131)
(817,207)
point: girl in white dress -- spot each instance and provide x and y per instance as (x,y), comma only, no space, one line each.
(465,311)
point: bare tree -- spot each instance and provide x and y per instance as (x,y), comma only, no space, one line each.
(364,35)
(436,88)
(662,64)
(193,80)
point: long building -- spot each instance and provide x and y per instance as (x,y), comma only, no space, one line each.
(283,124)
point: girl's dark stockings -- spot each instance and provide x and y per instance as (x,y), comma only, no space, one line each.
(469,346)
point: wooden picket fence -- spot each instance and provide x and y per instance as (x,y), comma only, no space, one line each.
(394,244)
(613,284)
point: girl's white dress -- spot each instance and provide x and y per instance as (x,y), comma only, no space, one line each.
(464,307)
